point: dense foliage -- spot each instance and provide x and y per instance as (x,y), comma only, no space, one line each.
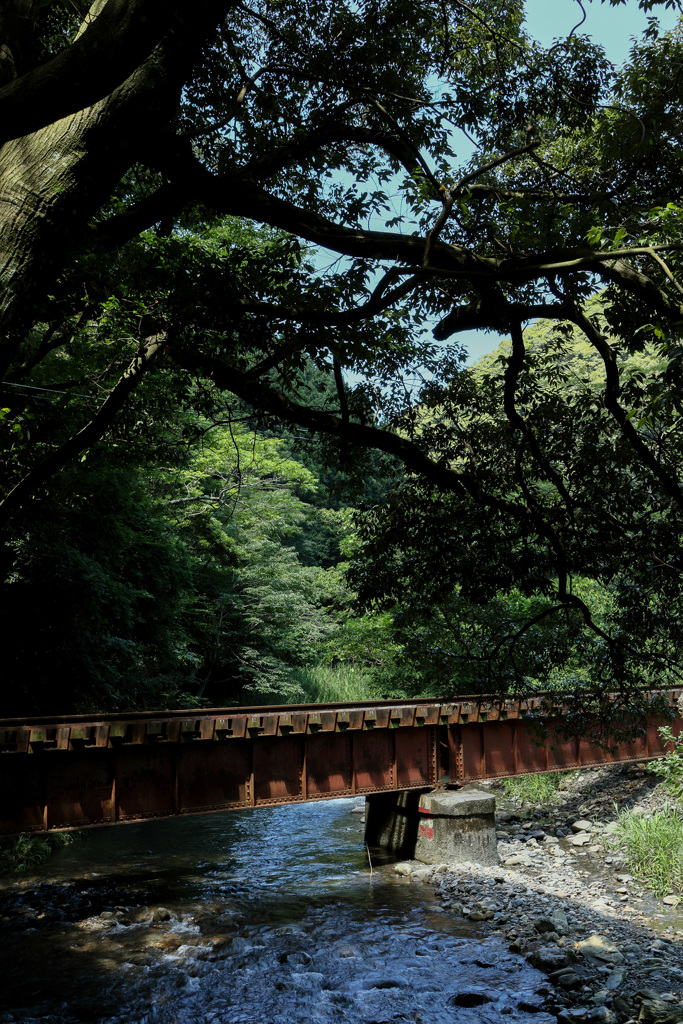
(537,542)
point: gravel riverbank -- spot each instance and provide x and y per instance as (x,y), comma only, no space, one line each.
(561,898)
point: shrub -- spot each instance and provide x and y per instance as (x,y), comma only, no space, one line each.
(26,852)
(670,767)
(652,847)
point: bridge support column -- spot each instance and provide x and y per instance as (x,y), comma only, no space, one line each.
(435,827)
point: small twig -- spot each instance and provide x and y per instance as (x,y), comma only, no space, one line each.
(367,848)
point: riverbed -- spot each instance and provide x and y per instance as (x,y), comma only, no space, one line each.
(266,916)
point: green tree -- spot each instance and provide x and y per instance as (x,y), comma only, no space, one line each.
(256,606)
(133,128)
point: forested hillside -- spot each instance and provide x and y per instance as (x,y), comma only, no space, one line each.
(209,556)
(192,557)
(466,619)
(239,244)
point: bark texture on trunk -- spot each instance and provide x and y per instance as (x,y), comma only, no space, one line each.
(54,180)
(116,37)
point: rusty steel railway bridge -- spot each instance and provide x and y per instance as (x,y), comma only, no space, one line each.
(74,772)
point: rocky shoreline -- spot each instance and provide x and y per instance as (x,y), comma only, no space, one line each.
(562,898)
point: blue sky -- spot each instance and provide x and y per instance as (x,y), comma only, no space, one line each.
(611,26)
(614,27)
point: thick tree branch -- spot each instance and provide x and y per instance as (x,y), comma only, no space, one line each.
(484,316)
(87,435)
(234,196)
(117,36)
(330,317)
(304,145)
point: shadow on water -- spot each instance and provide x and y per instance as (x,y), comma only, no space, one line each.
(269,916)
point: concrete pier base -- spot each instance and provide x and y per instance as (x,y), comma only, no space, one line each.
(434,826)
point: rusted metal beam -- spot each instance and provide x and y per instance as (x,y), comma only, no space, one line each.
(79,771)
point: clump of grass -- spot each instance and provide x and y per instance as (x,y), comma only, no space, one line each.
(24,852)
(330,684)
(535,789)
(652,847)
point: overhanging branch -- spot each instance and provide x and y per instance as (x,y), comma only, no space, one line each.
(116,37)
(87,435)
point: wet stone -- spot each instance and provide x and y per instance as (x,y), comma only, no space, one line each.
(469,999)
(547,958)
(161,914)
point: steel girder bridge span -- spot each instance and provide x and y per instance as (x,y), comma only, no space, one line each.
(67,773)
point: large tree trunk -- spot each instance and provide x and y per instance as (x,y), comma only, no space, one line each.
(54,180)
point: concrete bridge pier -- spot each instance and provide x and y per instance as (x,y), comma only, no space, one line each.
(434,826)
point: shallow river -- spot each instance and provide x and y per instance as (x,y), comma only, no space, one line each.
(268,917)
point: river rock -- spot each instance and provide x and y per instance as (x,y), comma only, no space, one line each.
(559,919)
(622,1004)
(601,1015)
(480,915)
(672,900)
(656,1011)
(303,959)
(567,978)
(97,924)
(598,947)
(403,868)
(544,924)
(581,839)
(573,1015)
(518,860)
(168,941)
(582,826)
(240,945)
(161,914)
(547,958)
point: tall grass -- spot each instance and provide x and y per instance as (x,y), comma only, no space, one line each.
(652,847)
(331,684)
(536,789)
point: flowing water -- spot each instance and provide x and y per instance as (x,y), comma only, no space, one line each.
(268,916)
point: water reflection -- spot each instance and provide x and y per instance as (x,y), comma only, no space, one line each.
(264,916)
